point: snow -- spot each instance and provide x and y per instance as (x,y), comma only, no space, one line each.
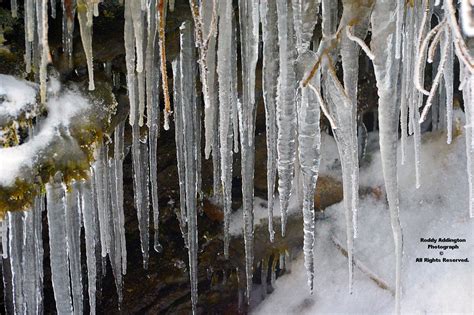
(15,95)
(438,209)
(61,109)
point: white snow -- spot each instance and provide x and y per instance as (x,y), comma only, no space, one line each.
(60,111)
(17,95)
(439,209)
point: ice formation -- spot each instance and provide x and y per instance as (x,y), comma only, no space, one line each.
(303,74)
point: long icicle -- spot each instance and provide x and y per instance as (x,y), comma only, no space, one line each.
(268,12)
(286,108)
(84,14)
(55,195)
(224,71)
(188,103)
(386,73)
(89,217)
(309,140)
(179,140)
(249,37)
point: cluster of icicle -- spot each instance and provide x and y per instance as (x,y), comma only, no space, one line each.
(96,205)
(298,80)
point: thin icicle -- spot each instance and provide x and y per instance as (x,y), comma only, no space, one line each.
(115,253)
(249,38)
(73,230)
(101,191)
(42,19)
(55,194)
(69,12)
(140,184)
(386,73)
(138,29)
(224,71)
(188,103)
(153,117)
(15,251)
(32,260)
(309,140)
(210,108)
(89,217)
(119,225)
(14,8)
(399,28)
(468,96)
(268,11)
(180,158)
(448,84)
(286,108)
(84,10)
(130,60)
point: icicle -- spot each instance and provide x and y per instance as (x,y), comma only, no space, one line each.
(14,8)
(448,83)
(96,9)
(304,13)
(55,194)
(224,71)
(386,73)
(130,60)
(27,42)
(399,30)
(84,9)
(30,14)
(468,96)
(140,184)
(309,140)
(269,19)
(139,34)
(32,260)
(100,184)
(69,11)
(346,135)
(118,215)
(115,253)
(249,38)
(42,20)
(179,139)
(4,237)
(210,95)
(286,108)
(416,98)
(153,118)
(89,217)
(73,230)
(188,104)
(406,86)
(15,244)
(234,82)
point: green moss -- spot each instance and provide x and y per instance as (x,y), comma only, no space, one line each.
(73,166)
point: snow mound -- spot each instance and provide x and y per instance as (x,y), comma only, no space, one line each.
(438,209)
